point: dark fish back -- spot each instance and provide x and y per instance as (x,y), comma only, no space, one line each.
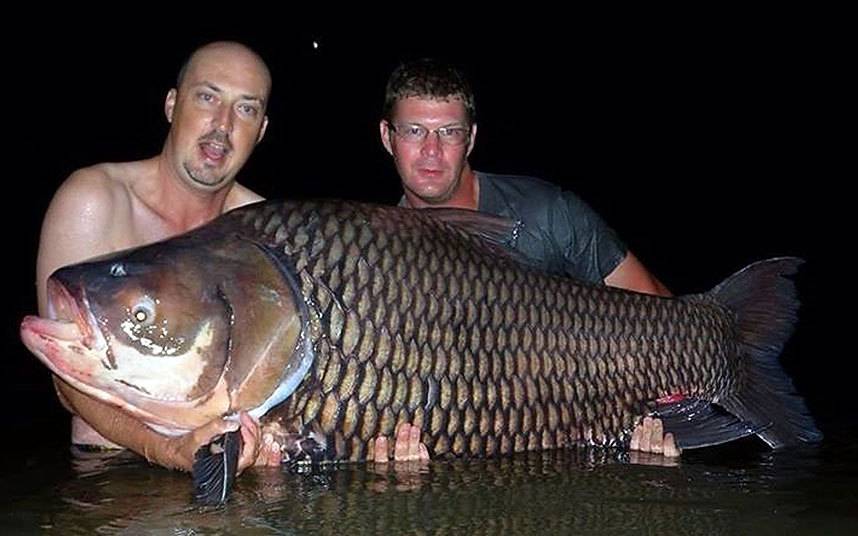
(414,319)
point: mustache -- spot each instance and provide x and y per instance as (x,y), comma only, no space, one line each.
(217,136)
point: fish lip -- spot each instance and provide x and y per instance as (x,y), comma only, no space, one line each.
(64,306)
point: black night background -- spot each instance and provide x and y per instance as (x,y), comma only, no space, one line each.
(707,145)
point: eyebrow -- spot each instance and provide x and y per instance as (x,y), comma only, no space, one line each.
(245,96)
(454,124)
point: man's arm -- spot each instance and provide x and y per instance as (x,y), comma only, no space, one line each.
(170,452)
(631,274)
(76,227)
(588,242)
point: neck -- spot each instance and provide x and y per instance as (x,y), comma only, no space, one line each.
(179,205)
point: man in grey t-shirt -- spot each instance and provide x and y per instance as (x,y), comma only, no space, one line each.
(429,128)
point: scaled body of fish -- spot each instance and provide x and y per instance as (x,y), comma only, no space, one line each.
(348,319)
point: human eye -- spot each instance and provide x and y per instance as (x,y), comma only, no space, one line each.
(453,134)
(205,97)
(248,110)
(413,132)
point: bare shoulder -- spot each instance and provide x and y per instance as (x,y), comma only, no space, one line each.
(88,193)
(240,196)
(85,214)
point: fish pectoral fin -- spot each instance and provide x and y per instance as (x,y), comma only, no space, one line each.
(215,468)
(696,423)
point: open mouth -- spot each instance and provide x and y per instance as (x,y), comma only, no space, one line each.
(70,317)
(214,151)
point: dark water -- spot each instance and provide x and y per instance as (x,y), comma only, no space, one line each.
(741,489)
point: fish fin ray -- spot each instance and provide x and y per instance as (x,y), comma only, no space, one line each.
(697,423)
(498,234)
(215,468)
(764,300)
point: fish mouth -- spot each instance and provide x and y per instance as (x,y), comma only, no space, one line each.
(66,308)
(71,344)
(68,334)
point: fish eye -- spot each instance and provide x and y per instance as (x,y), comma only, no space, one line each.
(143,312)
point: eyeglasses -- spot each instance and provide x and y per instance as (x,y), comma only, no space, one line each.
(415,133)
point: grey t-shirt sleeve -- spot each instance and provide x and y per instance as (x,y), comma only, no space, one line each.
(590,248)
(560,233)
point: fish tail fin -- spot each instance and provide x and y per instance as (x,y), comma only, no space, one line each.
(764,300)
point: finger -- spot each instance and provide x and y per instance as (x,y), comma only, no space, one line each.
(414,444)
(250,432)
(251,441)
(670,448)
(264,446)
(270,451)
(400,448)
(381,450)
(246,421)
(646,434)
(657,437)
(424,453)
(370,450)
(637,433)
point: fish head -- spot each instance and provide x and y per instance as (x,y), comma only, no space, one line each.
(175,333)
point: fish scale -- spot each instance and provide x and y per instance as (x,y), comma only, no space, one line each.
(491,299)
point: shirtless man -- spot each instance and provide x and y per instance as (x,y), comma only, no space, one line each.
(217,115)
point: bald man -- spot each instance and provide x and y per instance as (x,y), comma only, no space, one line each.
(217,115)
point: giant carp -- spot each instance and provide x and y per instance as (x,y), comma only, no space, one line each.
(334,321)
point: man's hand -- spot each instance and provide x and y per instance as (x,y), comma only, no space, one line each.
(649,437)
(407,446)
(271,447)
(181,449)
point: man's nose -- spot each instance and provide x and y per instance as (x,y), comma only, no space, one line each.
(224,119)
(432,143)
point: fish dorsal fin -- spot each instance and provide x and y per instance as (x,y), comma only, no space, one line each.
(497,233)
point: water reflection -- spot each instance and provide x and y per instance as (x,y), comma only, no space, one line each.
(588,492)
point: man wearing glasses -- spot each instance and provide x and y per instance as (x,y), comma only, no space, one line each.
(429,128)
